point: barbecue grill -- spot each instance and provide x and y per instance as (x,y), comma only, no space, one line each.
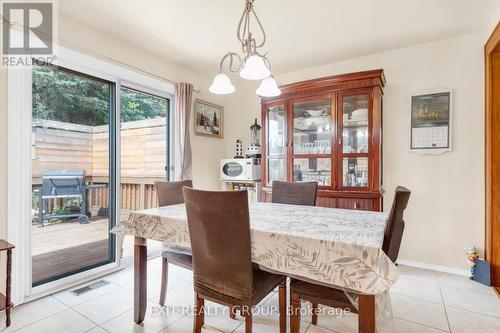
(63,183)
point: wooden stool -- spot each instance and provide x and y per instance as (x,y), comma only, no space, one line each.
(5,303)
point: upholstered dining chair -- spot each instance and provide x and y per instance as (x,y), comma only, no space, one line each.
(219,228)
(170,193)
(316,294)
(299,193)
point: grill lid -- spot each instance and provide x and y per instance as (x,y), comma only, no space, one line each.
(64,173)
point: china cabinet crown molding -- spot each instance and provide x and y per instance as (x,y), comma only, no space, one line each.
(365,79)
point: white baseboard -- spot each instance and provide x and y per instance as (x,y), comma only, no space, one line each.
(438,268)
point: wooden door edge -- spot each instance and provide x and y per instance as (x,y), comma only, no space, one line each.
(492,43)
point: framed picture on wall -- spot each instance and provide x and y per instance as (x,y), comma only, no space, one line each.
(431,122)
(208,119)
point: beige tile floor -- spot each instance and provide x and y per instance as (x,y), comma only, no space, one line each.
(423,302)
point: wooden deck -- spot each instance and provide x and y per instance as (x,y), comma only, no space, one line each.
(56,263)
(62,235)
(68,246)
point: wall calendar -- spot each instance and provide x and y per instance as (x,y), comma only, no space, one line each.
(431,123)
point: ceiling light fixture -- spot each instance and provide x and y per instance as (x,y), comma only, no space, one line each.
(254,65)
(268,88)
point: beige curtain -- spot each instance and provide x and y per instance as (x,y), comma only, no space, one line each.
(182,149)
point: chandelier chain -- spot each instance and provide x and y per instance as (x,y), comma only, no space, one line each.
(248,43)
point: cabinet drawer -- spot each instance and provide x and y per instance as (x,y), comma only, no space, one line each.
(353,203)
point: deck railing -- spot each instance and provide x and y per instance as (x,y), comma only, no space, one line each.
(138,196)
(133,196)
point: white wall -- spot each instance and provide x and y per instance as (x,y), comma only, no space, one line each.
(445,212)
(494,21)
(244,106)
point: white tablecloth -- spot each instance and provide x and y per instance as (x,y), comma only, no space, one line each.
(334,247)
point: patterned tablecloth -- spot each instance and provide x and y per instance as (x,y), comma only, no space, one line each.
(334,247)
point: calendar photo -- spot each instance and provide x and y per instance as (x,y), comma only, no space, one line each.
(430,121)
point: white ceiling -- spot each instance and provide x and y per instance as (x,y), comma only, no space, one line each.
(301,33)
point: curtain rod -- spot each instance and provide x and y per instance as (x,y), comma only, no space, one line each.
(121,63)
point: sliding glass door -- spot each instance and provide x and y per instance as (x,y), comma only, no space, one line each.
(72,153)
(144,153)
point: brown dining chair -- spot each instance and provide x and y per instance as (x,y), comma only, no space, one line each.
(396,225)
(299,193)
(316,294)
(170,193)
(219,229)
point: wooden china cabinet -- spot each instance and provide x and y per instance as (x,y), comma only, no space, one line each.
(327,130)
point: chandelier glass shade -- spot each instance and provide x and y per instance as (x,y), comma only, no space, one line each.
(253,66)
(268,88)
(221,85)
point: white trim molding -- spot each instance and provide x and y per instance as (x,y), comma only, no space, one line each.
(433,267)
(18,184)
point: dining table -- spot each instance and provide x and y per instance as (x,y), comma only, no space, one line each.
(338,248)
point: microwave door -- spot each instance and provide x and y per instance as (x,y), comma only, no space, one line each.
(232,169)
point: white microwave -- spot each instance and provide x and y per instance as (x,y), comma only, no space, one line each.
(240,169)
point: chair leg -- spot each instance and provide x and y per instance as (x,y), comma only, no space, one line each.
(7,317)
(314,318)
(199,313)
(282,306)
(294,312)
(164,281)
(248,322)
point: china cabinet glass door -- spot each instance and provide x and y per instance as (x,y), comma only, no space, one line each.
(276,143)
(354,126)
(312,140)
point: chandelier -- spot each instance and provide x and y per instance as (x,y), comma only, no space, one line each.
(253,66)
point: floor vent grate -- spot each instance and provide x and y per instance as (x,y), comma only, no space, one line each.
(92,286)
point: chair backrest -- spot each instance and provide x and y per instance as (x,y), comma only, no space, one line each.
(300,193)
(170,193)
(395,224)
(219,228)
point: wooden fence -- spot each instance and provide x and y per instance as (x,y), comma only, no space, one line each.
(58,145)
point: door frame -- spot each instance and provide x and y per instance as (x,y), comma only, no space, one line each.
(492,158)
(19,163)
